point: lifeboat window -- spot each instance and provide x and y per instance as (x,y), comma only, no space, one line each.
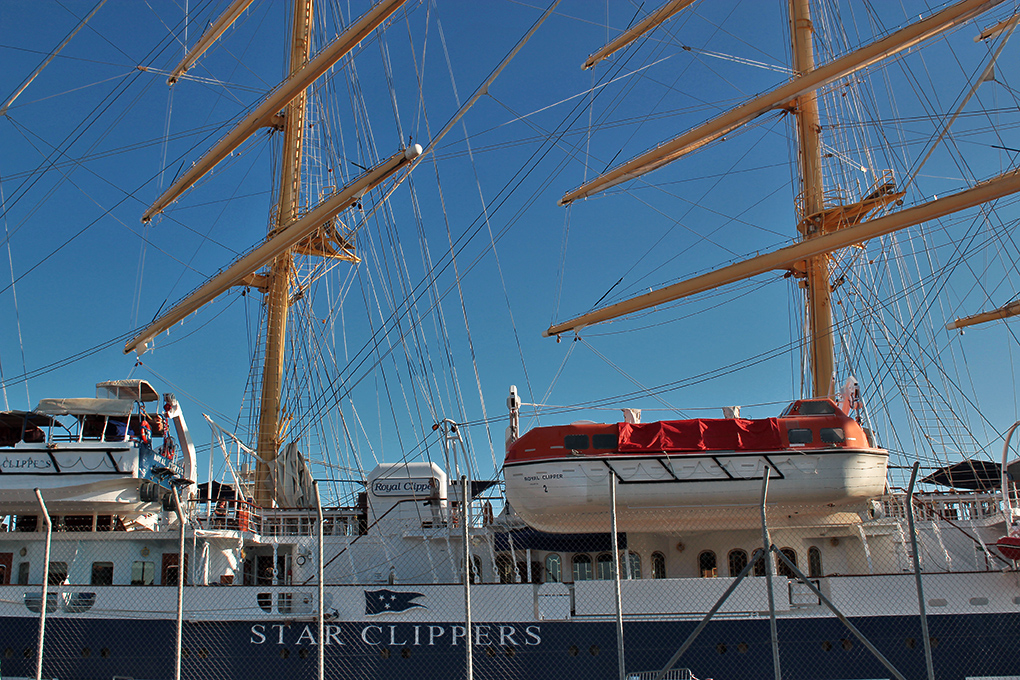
(833,435)
(143,573)
(737,561)
(578,442)
(781,568)
(820,407)
(800,435)
(814,562)
(58,573)
(633,565)
(102,573)
(582,567)
(553,568)
(603,441)
(658,565)
(706,564)
(604,567)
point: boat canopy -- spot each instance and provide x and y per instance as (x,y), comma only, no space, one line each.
(84,406)
(977,475)
(134,389)
(525,538)
(702,434)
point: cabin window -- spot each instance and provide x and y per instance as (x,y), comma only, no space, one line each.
(27,523)
(581,565)
(814,562)
(833,435)
(553,568)
(604,567)
(737,560)
(102,573)
(78,523)
(759,563)
(706,564)
(634,564)
(23,573)
(143,573)
(58,573)
(578,442)
(603,441)
(800,435)
(781,567)
(658,565)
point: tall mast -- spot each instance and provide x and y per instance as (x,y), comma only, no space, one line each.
(812,224)
(278,293)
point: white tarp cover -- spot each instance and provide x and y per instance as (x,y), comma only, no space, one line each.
(85,406)
(291,479)
(133,389)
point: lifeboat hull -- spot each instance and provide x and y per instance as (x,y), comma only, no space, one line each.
(667,493)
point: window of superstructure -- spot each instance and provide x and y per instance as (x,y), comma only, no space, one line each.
(553,568)
(814,562)
(58,573)
(143,573)
(737,560)
(706,564)
(781,567)
(759,563)
(581,566)
(23,573)
(658,565)
(634,564)
(604,567)
(102,573)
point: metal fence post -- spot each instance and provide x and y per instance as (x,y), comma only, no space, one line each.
(180,585)
(766,556)
(468,633)
(320,614)
(45,585)
(616,577)
(917,572)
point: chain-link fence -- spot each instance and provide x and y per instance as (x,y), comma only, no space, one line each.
(834,596)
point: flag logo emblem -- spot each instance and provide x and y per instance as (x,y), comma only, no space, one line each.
(385,601)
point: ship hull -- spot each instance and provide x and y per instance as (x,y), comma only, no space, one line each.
(819,648)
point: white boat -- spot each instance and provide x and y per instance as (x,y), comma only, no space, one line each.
(417,158)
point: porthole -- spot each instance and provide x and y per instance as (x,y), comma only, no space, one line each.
(510,651)
(303,653)
(826,645)
(185,653)
(284,653)
(910,643)
(29,652)
(594,650)
(105,652)
(86,652)
(8,653)
(405,653)
(934,641)
(572,650)
(490,652)
(742,648)
(848,644)
(384,652)
(721,648)
(203,653)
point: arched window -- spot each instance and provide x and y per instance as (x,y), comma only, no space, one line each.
(706,564)
(759,564)
(658,565)
(814,562)
(582,567)
(604,567)
(553,568)
(634,564)
(737,560)
(781,567)
(505,569)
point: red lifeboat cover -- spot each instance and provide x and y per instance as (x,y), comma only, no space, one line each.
(1009,546)
(702,434)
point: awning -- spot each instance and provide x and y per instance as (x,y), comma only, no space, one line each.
(976,475)
(83,406)
(523,539)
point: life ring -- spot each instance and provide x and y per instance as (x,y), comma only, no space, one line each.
(146,432)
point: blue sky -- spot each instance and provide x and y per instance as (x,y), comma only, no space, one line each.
(82,154)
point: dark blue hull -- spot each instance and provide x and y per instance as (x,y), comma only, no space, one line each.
(964,646)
